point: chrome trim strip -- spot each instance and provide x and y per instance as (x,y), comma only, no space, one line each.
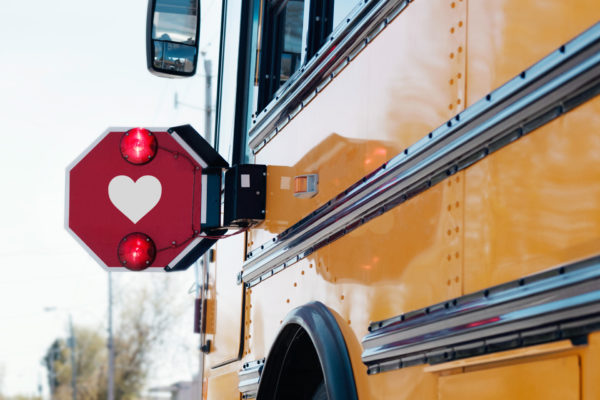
(367,18)
(555,85)
(249,378)
(557,304)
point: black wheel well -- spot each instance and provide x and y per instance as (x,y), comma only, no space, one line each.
(309,350)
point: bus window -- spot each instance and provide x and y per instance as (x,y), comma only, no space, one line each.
(341,9)
(292,32)
(291,24)
(283,29)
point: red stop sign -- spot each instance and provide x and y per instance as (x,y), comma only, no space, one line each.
(135,198)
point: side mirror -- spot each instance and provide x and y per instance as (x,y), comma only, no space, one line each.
(172,37)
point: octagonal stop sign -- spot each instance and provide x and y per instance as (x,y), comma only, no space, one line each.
(145,199)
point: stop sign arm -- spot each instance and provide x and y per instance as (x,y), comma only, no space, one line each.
(199,246)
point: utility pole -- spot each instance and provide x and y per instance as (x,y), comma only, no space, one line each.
(73,365)
(110,344)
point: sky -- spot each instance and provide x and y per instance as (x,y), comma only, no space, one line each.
(68,70)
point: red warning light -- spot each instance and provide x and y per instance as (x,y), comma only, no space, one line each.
(138,146)
(136,251)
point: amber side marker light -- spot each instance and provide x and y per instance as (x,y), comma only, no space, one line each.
(138,146)
(306,186)
(136,251)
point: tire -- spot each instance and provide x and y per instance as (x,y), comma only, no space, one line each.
(320,393)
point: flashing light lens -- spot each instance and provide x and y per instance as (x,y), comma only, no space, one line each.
(136,251)
(138,146)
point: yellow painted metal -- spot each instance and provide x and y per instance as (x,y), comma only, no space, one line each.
(223,383)
(530,206)
(536,203)
(225,313)
(500,377)
(546,348)
(381,103)
(508,36)
(554,379)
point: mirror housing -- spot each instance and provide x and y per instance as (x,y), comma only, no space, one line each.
(172,37)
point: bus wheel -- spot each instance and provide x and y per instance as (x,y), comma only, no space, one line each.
(308,360)
(321,393)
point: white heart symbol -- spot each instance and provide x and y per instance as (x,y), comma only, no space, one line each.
(134,199)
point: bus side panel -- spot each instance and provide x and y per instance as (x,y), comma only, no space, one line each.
(409,80)
(222,383)
(557,378)
(536,203)
(399,88)
(506,37)
(392,94)
(224,311)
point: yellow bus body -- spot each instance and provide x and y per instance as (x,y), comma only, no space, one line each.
(528,207)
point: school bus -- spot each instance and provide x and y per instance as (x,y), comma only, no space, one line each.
(432,219)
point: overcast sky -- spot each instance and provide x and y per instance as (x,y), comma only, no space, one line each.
(68,70)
